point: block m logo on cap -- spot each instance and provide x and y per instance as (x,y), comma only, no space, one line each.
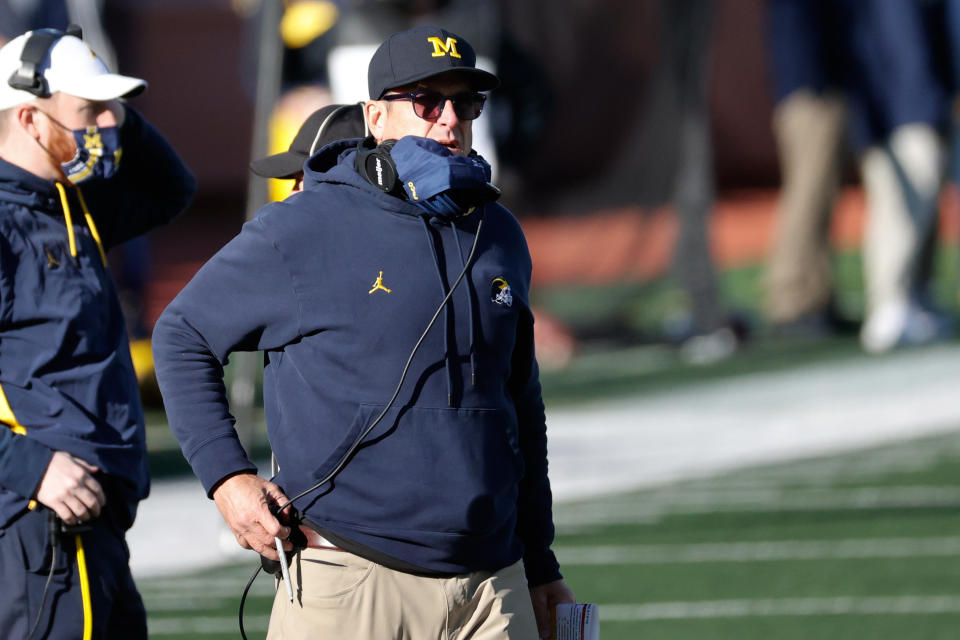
(441,48)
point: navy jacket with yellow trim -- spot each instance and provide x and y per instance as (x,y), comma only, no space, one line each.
(335,285)
(66,379)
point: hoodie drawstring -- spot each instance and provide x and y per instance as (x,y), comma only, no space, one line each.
(93,227)
(68,219)
(472,311)
(448,366)
(448,360)
(66,216)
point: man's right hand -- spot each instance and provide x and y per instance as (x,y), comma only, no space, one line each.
(70,490)
(244,501)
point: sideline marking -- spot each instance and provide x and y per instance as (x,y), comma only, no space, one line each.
(900,605)
(652,507)
(203,625)
(760,551)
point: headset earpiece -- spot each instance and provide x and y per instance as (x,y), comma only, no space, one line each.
(374,163)
(28,77)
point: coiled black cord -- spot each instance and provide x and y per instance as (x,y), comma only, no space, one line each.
(53,529)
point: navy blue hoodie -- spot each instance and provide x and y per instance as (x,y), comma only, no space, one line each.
(336,284)
(66,379)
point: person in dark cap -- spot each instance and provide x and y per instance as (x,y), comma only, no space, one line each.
(323,126)
(401,391)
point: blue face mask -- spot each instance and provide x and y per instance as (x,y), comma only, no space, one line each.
(98,154)
(439,182)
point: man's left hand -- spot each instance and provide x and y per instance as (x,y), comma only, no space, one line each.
(545,597)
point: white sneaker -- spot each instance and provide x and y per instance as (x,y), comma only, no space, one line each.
(902,324)
(709,348)
(882,329)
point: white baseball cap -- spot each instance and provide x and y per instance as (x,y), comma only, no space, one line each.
(70,66)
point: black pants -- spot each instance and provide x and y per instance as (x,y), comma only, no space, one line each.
(91,585)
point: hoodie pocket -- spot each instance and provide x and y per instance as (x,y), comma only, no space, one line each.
(425,469)
(33,532)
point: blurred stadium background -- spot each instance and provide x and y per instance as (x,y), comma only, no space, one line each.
(780,488)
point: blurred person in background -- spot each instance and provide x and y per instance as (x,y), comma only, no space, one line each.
(80,172)
(709,333)
(307,32)
(450,493)
(898,97)
(807,66)
(329,124)
(20,16)
(869,73)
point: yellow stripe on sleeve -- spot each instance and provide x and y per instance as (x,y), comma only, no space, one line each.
(7,417)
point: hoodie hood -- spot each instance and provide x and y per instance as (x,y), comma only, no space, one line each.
(31,192)
(334,164)
(326,157)
(19,186)
(326,166)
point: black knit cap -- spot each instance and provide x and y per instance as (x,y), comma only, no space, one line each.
(420,53)
(329,124)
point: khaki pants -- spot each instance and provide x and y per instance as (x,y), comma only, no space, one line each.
(809,133)
(340,596)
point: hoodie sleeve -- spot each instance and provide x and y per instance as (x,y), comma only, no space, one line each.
(241,300)
(23,462)
(535,502)
(152,186)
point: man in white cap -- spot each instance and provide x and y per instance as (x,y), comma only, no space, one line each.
(80,172)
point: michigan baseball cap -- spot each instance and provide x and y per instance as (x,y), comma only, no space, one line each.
(70,66)
(420,53)
(323,126)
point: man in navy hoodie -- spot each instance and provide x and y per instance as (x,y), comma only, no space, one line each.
(402,398)
(73,460)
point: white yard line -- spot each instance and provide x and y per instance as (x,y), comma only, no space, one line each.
(760,551)
(658,504)
(898,605)
(650,440)
(157,627)
(178,530)
(700,430)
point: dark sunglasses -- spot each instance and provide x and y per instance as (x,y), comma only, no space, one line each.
(429,104)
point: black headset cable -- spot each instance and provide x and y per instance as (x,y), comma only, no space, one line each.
(53,524)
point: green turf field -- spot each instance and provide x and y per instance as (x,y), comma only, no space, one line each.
(862,545)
